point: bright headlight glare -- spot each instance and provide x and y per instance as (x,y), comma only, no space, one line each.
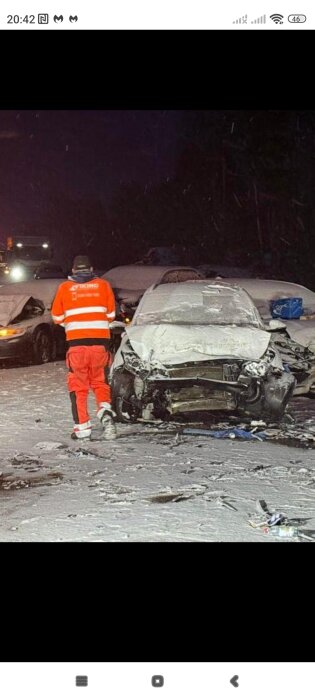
(9,332)
(17,273)
(256,369)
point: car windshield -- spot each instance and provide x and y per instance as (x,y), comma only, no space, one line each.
(197,304)
(28,252)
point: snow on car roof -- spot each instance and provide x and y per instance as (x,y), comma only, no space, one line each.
(197,301)
(264,291)
(44,290)
(136,277)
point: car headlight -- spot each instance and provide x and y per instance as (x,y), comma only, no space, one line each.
(17,273)
(256,369)
(10,332)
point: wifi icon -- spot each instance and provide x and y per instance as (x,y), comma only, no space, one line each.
(277,19)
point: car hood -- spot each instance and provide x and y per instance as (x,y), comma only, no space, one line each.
(175,344)
(45,290)
(11,307)
(302,332)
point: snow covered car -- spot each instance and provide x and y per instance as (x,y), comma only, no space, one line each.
(198,346)
(26,328)
(129,282)
(296,339)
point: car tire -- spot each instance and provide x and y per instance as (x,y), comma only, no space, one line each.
(123,398)
(42,347)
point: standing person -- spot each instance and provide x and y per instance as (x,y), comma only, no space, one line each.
(85,305)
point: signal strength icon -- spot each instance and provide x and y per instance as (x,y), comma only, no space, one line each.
(259,20)
(277,18)
(241,20)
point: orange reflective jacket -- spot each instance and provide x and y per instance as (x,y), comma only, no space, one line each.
(85,310)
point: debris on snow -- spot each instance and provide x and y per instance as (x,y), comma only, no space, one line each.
(229,433)
(9,482)
(47,446)
(279,525)
(183,494)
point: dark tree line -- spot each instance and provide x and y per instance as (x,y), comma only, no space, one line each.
(242,192)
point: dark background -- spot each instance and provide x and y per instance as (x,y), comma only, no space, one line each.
(229,187)
(161,142)
(143,602)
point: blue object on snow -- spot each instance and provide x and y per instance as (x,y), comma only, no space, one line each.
(287,308)
(230,432)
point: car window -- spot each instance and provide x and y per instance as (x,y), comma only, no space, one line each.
(179,276)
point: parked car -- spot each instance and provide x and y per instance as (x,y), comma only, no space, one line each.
(129,283)
(49,271)
(26,328)
(296,339)
(198,346)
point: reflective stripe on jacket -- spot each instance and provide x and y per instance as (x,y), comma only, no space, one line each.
(84,309)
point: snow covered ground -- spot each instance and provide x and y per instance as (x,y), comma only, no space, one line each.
(151,484)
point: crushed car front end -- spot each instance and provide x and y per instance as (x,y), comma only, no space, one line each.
(197,387)
(167,365)
(26,330)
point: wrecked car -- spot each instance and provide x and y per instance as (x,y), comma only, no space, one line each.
(194,347)
(296,338)
(26,328)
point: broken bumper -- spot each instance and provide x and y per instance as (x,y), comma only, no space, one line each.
(267,396)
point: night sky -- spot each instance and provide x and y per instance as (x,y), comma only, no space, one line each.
(80,153)
(229,186)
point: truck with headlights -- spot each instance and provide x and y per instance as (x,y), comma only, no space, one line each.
(23,256)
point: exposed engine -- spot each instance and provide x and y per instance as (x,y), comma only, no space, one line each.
(256,388)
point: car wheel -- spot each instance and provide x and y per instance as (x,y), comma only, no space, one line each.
(42,347)
(125,403)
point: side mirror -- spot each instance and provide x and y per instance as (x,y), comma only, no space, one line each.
(275,325)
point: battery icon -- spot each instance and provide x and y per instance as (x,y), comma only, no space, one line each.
(81,681)
(297,19)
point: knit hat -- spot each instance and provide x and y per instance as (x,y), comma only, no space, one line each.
(81,262)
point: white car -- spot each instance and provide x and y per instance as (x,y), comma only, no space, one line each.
(27,331)
(296,341)
(198,346)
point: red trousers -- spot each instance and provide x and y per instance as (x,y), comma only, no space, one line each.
(88,369)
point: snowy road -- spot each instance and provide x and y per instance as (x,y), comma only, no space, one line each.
(149,485)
